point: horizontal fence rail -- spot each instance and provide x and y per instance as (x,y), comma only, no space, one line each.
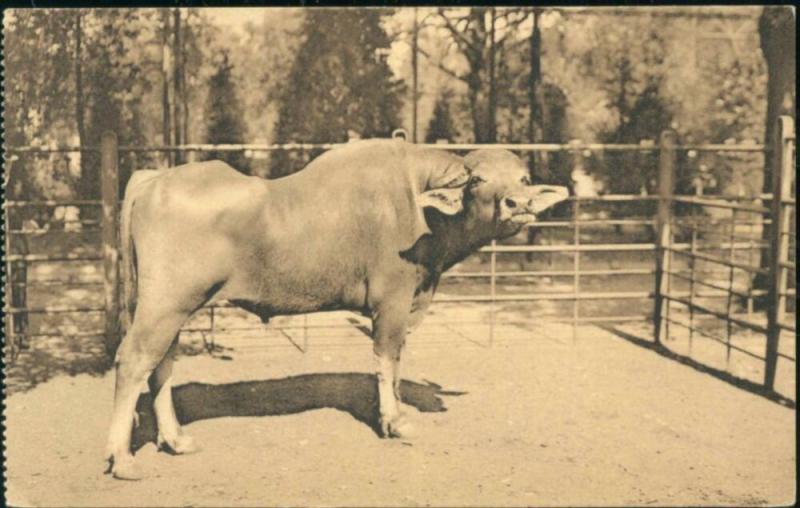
(50,203)
(520,147)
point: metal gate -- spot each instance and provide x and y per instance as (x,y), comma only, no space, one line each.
(722,261)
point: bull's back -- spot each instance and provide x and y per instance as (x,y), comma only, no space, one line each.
(199,195)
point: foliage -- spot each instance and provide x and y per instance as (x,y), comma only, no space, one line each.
(262,58)
(733,112)
(628,62)
(37,56)
(112,90)
(553,168)
(339,81)
(59,90)
(313,75)
(441,125)
(224,116)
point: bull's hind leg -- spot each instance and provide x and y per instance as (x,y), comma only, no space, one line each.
(170,435)
(142,349)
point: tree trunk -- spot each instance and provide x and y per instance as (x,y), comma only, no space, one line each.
(184,93)
(777,30)
(166,99)
(79,104)
(79,108)
(534,77)
(414,77)
(491,119)
(477,131)
(178,78)
(80,116)
(534,112)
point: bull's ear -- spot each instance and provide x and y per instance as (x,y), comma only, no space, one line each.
(447,201)
(545,196)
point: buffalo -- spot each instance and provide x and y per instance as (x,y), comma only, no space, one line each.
(369,227)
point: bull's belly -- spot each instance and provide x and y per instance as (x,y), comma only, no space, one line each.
(266,311)
(293,297)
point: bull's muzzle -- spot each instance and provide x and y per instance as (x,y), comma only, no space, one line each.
(535,199)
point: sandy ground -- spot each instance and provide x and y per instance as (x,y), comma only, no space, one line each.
(538,418)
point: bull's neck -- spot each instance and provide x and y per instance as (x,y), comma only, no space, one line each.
(456,237)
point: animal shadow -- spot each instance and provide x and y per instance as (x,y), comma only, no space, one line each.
(354,393)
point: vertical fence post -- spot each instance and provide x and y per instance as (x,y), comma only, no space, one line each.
(783,165)
(10,322)
(211,345)
(576,266)
(492,290)
(305,333)
(109,178)
(666,177)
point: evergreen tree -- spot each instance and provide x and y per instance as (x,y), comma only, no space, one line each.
(442,125)
(631,75)
(225,116)
(552,167)
(339,81)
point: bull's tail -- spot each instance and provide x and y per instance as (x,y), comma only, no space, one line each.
(128,248)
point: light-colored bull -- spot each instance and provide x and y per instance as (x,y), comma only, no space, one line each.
(368,227)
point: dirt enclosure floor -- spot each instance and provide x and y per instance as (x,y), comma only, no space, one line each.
(539,418)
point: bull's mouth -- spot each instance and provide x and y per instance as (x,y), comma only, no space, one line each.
(523,217)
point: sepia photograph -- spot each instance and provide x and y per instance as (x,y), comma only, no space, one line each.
(399,256)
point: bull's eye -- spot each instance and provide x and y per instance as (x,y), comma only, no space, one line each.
(510,203)
(475,180)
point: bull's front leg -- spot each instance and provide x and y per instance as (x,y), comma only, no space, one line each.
(389,334)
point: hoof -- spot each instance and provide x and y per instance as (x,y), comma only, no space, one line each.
(181,445)
(399,427)
(125,469)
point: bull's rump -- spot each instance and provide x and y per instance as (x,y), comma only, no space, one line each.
(184,224)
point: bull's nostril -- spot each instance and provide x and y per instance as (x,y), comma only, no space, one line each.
(511,203)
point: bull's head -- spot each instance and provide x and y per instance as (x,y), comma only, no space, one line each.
(498,197)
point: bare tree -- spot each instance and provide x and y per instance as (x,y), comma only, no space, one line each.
(476,34)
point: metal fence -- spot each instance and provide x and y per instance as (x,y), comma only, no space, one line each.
(721,250)
(28,226)
(706,257)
